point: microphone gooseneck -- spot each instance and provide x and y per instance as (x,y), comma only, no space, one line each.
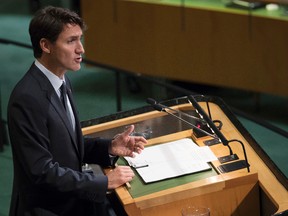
(153,102)
(162,108)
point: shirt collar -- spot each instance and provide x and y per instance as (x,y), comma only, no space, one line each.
(54,80)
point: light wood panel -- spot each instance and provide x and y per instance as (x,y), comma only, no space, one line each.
(221,47)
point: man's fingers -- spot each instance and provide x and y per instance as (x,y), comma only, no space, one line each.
(124,171)
(139,142)
(129,130)
(119,176)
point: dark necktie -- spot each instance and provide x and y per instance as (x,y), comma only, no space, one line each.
(63,97)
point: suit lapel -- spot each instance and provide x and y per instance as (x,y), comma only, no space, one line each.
(56,103)
(62,113)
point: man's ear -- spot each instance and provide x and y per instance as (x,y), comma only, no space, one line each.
(45,45)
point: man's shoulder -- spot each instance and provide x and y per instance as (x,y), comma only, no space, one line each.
(30,85)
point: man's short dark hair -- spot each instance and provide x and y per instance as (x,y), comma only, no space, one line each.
(48,23)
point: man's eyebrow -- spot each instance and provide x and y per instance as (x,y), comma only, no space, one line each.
(75,37)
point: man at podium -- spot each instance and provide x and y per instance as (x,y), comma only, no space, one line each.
(46,137)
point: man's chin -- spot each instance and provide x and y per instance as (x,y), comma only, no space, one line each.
(75,68)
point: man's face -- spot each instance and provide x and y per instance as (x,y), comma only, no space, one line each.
(66,52)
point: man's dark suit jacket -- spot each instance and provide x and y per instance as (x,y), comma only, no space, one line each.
(48,155)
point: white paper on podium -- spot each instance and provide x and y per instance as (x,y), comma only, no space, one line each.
(171,159)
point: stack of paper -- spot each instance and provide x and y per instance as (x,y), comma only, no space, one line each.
(171,159)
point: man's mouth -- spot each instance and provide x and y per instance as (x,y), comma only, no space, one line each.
(79,59)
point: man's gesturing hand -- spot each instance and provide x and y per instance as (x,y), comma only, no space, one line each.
(124,144)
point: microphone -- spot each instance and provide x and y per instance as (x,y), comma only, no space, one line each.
(208,120)
(221,137)
(162,108)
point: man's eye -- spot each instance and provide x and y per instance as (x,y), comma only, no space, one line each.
(71,40)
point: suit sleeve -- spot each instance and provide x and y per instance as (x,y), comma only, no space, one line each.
(96,151)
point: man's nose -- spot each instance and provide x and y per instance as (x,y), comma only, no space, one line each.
(80,48)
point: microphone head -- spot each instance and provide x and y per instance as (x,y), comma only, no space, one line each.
(158,107)
(151,101)
(155,105)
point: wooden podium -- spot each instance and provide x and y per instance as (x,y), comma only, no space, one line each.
(258,192)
